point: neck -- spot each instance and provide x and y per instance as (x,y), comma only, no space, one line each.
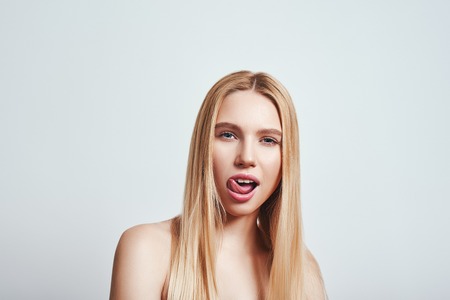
(242,233)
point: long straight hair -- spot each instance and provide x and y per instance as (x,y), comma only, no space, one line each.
(195,231)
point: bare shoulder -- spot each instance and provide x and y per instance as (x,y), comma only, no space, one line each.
(156,234)
(141,262)
(314,286)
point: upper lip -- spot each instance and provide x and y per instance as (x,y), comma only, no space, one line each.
(245,177)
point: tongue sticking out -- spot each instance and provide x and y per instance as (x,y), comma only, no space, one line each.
(243,188)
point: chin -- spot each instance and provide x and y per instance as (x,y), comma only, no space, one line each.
(240,209)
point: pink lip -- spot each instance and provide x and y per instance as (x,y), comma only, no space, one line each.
(246,177)
(243,197)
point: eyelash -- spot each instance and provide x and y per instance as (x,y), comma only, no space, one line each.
(230,135)
(269,140)
(265,140)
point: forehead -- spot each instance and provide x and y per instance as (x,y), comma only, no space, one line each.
(249,108)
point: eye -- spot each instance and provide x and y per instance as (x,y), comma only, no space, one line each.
(227,135)
(269,141)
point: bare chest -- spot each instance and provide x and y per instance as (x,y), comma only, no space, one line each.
(241,276)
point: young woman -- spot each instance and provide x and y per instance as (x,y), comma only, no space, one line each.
(239,235)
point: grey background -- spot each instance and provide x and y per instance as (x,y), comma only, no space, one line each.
(98,100)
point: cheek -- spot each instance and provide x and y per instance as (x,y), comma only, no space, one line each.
(276,171)
(272,161)
(218,164)
(222,156)
(273,168)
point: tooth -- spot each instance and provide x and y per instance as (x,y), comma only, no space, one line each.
(244,181)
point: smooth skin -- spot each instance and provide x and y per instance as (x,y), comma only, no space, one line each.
(247,140)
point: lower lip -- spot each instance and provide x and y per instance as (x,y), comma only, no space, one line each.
(242,197)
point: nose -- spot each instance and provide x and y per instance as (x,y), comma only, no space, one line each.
(245,157)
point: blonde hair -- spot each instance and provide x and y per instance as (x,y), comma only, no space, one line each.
(194,232)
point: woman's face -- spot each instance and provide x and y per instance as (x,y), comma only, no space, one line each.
(247,152)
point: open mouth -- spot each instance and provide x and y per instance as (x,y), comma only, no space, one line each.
(241,186)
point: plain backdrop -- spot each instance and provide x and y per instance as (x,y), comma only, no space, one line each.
(98,100)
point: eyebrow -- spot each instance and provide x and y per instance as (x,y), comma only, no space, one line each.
(237,128)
